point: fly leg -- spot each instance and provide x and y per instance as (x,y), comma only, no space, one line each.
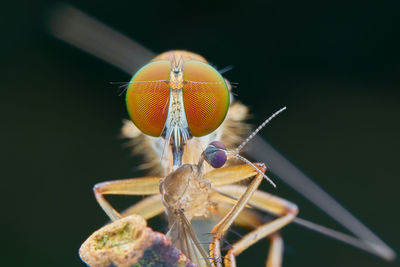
(220,229)
(266,202)
(148,207)
(133,186)
(230,174)
(128,241)
(275,250)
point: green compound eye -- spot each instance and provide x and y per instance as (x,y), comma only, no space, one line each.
(147,97)
(205,97)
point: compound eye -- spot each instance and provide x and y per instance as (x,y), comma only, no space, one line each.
(205,97)
(147,97)
(215,154)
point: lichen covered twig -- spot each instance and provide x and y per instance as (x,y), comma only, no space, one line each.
(128,242)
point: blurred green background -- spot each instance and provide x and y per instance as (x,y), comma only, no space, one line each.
(334,64)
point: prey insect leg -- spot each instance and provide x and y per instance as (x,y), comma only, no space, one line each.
(285,209)
(220,229)
(248,218)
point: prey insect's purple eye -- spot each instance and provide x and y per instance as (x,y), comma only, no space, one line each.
(215,154)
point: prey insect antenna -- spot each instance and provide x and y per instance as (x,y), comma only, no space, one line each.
(216,154)
(235,152)
(258,129)
(252,165)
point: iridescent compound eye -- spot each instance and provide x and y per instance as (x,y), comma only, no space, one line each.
(147,97)
(205,97)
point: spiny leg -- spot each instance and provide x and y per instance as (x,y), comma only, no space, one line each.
(266,202)
(133,186)
(220,229)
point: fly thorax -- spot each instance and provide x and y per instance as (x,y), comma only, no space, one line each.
(186,190)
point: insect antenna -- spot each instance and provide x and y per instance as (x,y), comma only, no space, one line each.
(235,152)
(258,129)
(216,154)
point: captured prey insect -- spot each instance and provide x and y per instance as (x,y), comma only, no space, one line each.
(74,27)
(181,98)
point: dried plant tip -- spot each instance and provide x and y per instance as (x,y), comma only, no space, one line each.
(128,242)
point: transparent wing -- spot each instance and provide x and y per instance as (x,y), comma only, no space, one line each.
(261,150)
(183,238)
(80,30)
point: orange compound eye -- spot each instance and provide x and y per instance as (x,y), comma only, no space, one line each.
(205,97)
(147,97)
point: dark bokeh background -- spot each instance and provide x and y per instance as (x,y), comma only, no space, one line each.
(335,65)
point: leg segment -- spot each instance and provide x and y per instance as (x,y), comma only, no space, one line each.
(269,203)
(220,229)
(148,207)
(134,186)
(230,174)
(275,251)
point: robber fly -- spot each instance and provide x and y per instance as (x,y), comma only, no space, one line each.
(183,101)
(72,26)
